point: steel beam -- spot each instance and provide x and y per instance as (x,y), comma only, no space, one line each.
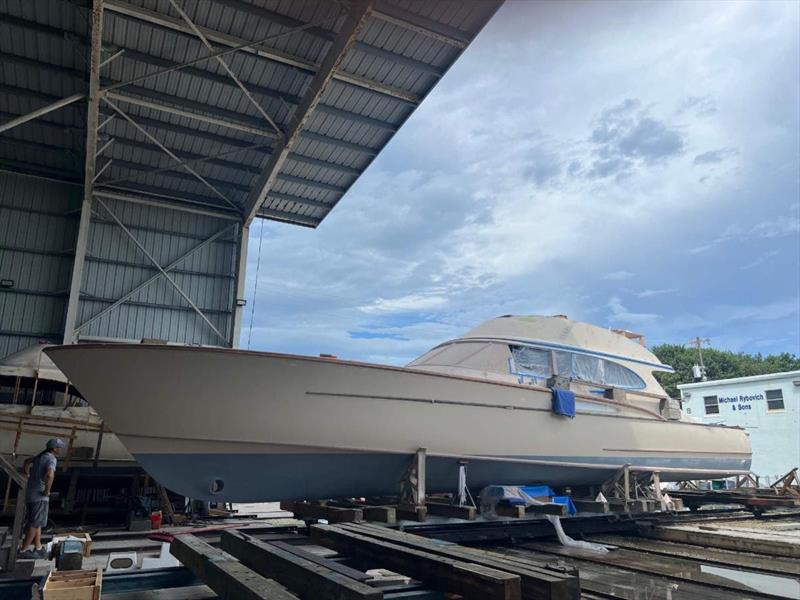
(239,285)
(355,20)
(162,203)
(165,21)
(323,139)
(300,200)
(395,15)
(150,280)
(173,110)
(95,58)
(41,111)
(284,217)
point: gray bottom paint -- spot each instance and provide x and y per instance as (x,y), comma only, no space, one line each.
(269,477)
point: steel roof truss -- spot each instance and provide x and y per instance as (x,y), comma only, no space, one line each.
(225,67)
(354,23)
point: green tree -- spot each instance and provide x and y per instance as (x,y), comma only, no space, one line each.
(720,364)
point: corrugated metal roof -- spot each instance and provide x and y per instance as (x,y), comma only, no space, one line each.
(200,114)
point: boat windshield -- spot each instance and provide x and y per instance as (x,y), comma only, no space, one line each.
(541,363)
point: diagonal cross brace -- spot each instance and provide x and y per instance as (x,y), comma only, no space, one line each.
(225,66)
(168,152)
(183,294)
(144,284)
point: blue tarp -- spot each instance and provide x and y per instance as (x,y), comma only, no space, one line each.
(564,402)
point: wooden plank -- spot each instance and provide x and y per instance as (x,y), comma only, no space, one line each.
(538,580)
(223,573)
(514,511)
(333,565)
(451,510)
(678,569)
(307,578)
(382,514)
(744,560)
(729,540)
(474,582)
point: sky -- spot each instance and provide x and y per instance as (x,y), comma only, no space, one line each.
(633,165)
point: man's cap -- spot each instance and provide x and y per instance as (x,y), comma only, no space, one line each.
(55,443)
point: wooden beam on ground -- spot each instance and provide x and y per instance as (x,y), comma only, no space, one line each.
(320,510)
(220,571)
(725,558)
(473,581)
(331,564)
(538,580)
(307,578)
(760,543)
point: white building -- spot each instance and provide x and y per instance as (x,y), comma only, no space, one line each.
(767,406)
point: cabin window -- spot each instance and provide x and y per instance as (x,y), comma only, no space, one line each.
(542,364)
(712,405)
(532,361)
(775,400)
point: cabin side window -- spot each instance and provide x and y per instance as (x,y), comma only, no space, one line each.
(711,404)
(541,363)
(775,400)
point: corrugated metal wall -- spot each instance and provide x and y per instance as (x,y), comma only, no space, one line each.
(38,229)
(115,265)
(38,225)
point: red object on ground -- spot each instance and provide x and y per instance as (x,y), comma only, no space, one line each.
(155,520)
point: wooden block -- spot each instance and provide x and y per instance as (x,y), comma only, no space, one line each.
(591,506)
(220,571)
(515,511)
(538,580)
(307,578)
(471,580)
(548,508)
(333,565)
(409,512)
(452,511)
(73,585)
(382,514)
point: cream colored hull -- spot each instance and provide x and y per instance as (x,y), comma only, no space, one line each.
(270,426)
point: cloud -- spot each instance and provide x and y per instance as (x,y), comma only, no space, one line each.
(715,156)
(620,314)
(512,190)
(777,227)
(700,106)
(627,134)
(760,260)
(404,304)
(617,276)
(649,293)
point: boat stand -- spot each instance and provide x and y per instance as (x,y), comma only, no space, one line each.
(412,486)
(636,490)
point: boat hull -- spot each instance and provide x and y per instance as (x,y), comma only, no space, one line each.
(257,426)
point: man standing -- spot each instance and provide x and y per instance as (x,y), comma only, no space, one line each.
(41,470)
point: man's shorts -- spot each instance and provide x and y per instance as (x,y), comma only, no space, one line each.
(37,513)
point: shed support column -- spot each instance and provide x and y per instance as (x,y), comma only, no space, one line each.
(82,240)
(238,292)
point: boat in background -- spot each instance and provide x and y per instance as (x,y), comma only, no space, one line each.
(37,402)
(234,425)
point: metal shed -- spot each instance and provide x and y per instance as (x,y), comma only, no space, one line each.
(140,138)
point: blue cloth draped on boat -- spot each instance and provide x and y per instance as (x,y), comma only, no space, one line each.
(564,402)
